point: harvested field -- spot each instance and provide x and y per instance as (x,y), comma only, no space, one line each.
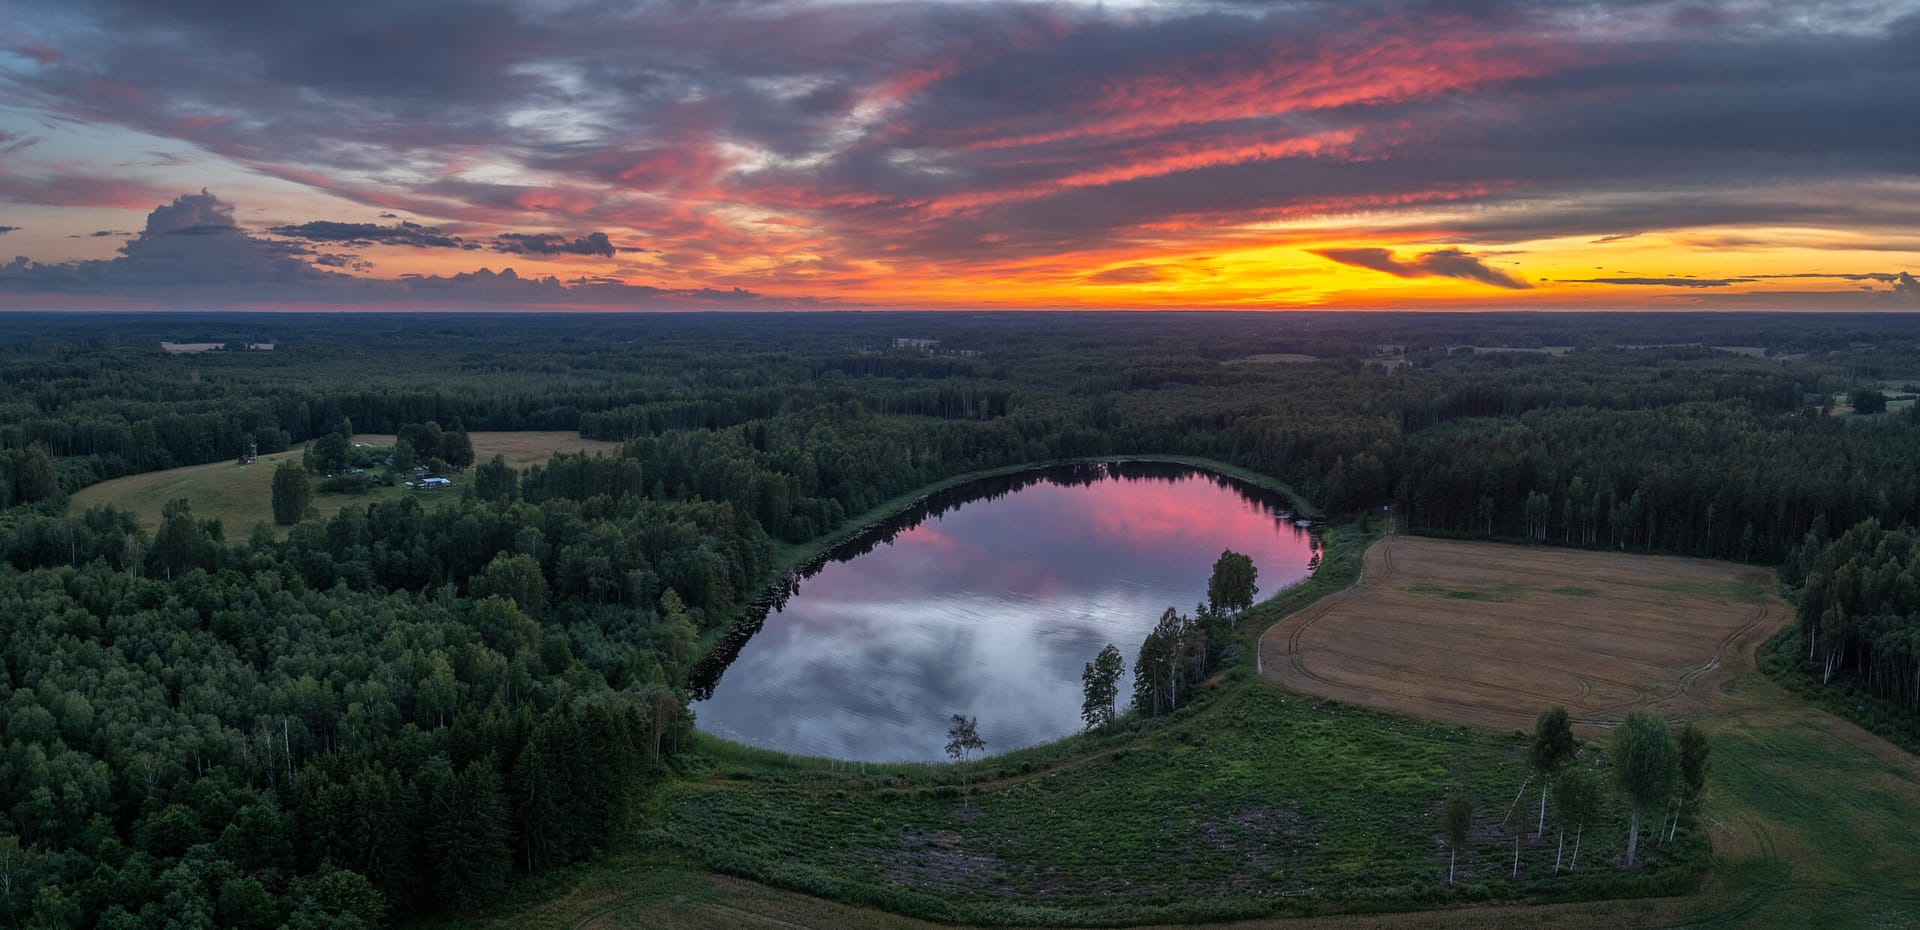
(1488,635)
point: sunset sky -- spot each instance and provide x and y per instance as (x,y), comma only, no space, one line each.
(1619,154)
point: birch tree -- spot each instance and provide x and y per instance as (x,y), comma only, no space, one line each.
(1552,746)
(1646,767)
(1576,802)
(1457,819)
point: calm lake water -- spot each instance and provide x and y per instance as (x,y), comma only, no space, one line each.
(988,601)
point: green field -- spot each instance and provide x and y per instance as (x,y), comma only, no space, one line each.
(242,495)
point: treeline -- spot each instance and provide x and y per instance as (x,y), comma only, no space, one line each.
(1859,620)
(803,475)
(966,400)
(1708,479)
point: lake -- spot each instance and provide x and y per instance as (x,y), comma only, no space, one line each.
(987,599)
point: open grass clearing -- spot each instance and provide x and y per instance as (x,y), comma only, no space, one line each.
(1487,634)
(242,495)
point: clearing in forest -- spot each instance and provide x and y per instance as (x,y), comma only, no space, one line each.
(242,495)
(1489,635)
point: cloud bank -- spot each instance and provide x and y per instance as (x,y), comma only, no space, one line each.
(192,253)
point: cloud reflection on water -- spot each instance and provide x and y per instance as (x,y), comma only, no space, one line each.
(989,609)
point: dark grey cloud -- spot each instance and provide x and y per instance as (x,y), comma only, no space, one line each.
(1446,263)
(365,234)
(7,229)
(416,235)
(1662,282)
(553,244)
(1895,278)
(11,142)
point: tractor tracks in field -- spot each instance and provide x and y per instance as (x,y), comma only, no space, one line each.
(1292,658)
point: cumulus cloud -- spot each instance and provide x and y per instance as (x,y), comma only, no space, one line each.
(192,214)
(1446,263)
(1906,289)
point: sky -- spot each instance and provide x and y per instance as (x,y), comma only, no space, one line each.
(759,154)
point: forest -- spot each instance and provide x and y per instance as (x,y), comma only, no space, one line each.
(402,711)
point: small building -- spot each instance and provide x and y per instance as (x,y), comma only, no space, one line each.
(250,453)
(909,343)
(435,482)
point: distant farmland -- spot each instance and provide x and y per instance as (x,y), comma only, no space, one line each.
(242,495)
(1489,634)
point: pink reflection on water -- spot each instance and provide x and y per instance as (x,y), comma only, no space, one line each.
(991,609)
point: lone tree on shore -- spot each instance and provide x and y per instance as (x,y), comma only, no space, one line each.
(963,739)
(1552,747)
(1646,766)
(1233,585)
(1457,819)
(292,492)
(1101,682)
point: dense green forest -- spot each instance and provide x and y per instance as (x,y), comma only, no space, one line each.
(394,711)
